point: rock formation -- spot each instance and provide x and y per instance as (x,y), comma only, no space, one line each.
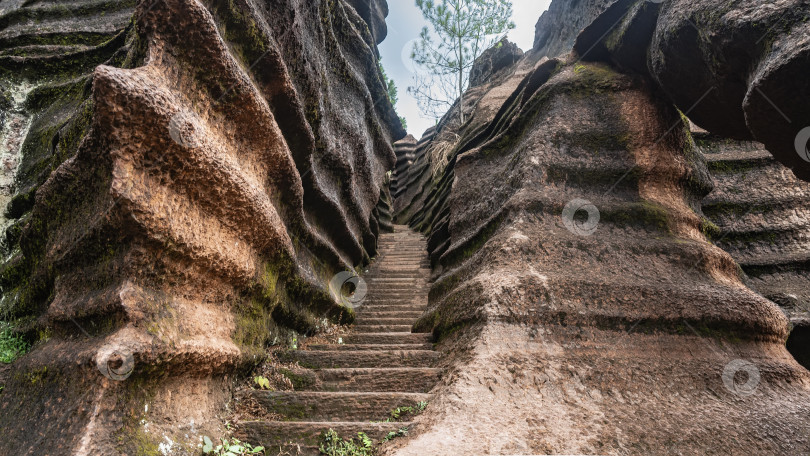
(183,179)
(576,292)
(194,175)
(558,27)
(735,69)
(759,215)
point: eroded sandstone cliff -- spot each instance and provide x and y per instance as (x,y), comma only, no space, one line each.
(581,295)
(193,176)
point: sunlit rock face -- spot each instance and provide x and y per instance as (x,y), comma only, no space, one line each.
(580,304)
(738,69)
(183,197)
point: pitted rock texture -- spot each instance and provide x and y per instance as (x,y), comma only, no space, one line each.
(622,336)
(760,216)
(201,193)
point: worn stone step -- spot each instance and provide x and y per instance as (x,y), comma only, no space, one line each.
(303,438)
(345,346)
(404,307)
(396,280)
(368,313)
(405,299)
(362,358)
(335,406)
(383,328)
(366,379)
(396,273)
(388,338)
(365,320)
(383,288)
(389,379)
(398,287)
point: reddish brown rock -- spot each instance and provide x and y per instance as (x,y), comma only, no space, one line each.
(626,333)
(217,187)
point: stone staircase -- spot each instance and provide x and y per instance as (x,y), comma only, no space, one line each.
(381,364)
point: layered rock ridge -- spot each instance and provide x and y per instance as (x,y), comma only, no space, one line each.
(576,296)
(735,68)
(760,217)
(226,168)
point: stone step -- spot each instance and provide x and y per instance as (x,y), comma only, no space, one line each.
(388,379)
(368,313)
(397,280)
(396,273)
(344,346)
(389,299)
(335,406)
(362,358)
(365,320)
(391,287)
(388,338)
(303,438)
(392,308)
(383,328)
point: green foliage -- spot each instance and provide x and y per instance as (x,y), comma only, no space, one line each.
(399,412)
(462,31)
(262,382)
(393,92)
(333,445)
(12,346)
(393,96)
(229,447)
(394,434)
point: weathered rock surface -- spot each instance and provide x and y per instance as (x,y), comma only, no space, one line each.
(186,205)
(559,26)
(579,303)
(761,217)
(501,56)
(734,68)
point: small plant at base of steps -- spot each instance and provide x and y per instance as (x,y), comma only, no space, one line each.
(333,445)
(398,412)
(230,447)
(262,382)
(394,434)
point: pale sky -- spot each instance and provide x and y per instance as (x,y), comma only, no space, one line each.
(404,24)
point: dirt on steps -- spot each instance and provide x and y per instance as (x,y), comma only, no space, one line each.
(353,385)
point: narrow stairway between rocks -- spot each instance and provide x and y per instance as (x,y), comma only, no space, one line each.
(381,365)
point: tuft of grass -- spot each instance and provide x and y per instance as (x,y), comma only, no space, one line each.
(12,345)
(401,412)
(333,445)
(229,447)
(394,434)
